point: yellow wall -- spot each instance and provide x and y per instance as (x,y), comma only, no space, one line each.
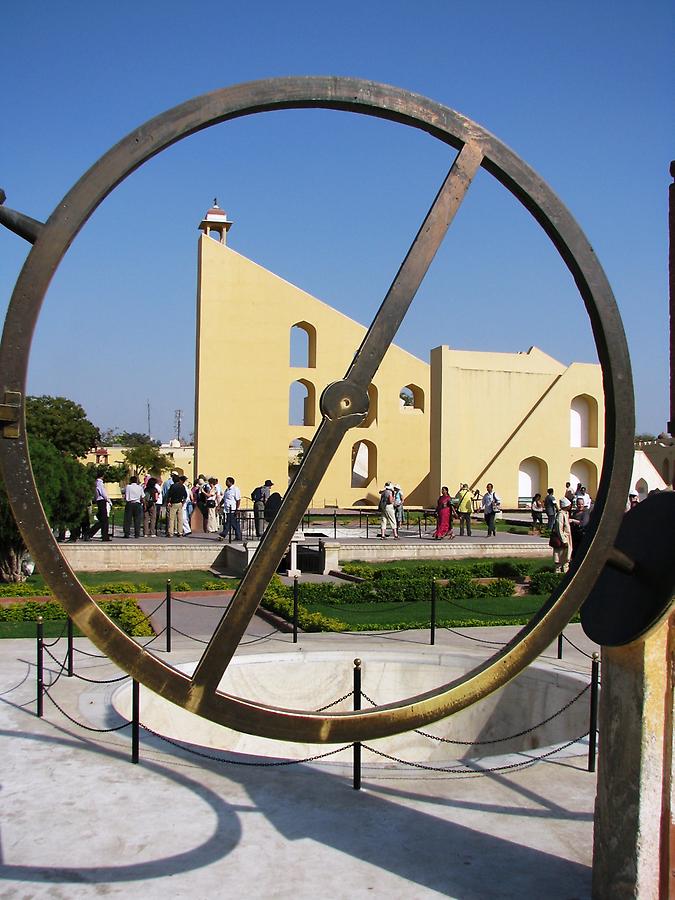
(244,319)
(491,411)
(482,415)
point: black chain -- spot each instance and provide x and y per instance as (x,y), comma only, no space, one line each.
(459,770)
(588,655)
(511,736)
(238,762)
(262,637)
(335,702)
(482,612)
(82,725)
(478,640)
(188,636)
(100,680)
(146,616)
(495,740)
(200,605)
(51,643)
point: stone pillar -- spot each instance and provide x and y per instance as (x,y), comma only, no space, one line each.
(293,569)
(329,556)
(634,806)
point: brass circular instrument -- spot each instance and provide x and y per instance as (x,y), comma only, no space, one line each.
(343,405)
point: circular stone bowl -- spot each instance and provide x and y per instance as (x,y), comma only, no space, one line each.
(312,680)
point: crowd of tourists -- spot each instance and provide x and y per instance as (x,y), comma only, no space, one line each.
(174,507)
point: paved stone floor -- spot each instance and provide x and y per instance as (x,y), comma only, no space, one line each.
(79,820)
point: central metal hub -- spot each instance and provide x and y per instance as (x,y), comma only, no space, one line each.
(344,400)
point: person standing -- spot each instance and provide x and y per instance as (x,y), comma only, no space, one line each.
(444,513)
(398,506)
(386,510)
(133,507)
(464,508)
(550,508)
(537,508)
(231,504)
(150,508)
(260,496)
(175,498)
(561,537)
(103,504)
(491,506)
(187,506)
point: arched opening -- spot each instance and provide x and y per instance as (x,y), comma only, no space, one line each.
(584,421)
(296,453)
(364,463)
(642,488)
(372,407)
(302,403)
(411,397)
(303,346)
(364,501)
(583,471)
(532,478)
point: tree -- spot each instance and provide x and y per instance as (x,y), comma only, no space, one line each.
(645,437)
(146,458)
(135,439)
(48,468)
(63,423)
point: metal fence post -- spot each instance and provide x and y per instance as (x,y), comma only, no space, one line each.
(432,630)
(40,666)
(70,648)
(357,706)
(295,609)
(168,615)
(560,645)
(135,716)
(334,524)
(367,527)
(593,724)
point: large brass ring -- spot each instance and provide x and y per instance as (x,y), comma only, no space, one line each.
(386,102)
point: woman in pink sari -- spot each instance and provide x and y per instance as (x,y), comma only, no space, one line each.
(444,516)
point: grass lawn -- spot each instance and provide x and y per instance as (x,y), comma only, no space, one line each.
(455,613)
(52,629)
(155,580)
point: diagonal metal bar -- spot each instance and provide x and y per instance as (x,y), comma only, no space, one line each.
(341,410)
(414,267)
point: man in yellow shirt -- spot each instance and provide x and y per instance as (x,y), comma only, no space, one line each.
(464,509)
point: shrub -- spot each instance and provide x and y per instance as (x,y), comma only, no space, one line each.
(212,586)
(182,586)
(482,569)
(124,613)
(544,582)
(360,569)
(23,589)
(517,529)
(120,587)
(507,569)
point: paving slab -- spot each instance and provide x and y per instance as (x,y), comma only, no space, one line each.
(80,820)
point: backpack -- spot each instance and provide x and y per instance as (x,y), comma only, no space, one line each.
(257,495)
(150,498)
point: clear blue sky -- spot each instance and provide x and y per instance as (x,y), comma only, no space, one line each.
(582,91)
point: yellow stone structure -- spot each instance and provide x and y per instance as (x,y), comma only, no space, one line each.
(522,421)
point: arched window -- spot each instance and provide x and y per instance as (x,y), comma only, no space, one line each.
(302,403)
(303,346)
(532,477)
(584,472)
(411,398)
(372,407)
(642,488)
(364,463)
(296,453)
(584,421)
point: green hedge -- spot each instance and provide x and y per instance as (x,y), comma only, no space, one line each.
(544,582)
(124,613)
(23,589)
(488,568)
(278,598)
(121,587)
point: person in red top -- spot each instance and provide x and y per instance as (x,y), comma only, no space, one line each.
(444,514)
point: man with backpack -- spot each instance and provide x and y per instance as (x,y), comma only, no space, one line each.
(464,508)
(386,510)
(260,496)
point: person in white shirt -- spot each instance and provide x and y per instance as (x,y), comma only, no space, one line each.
(491,504)
(231,504)
(133,507)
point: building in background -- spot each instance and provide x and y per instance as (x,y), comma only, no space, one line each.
(266,350)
